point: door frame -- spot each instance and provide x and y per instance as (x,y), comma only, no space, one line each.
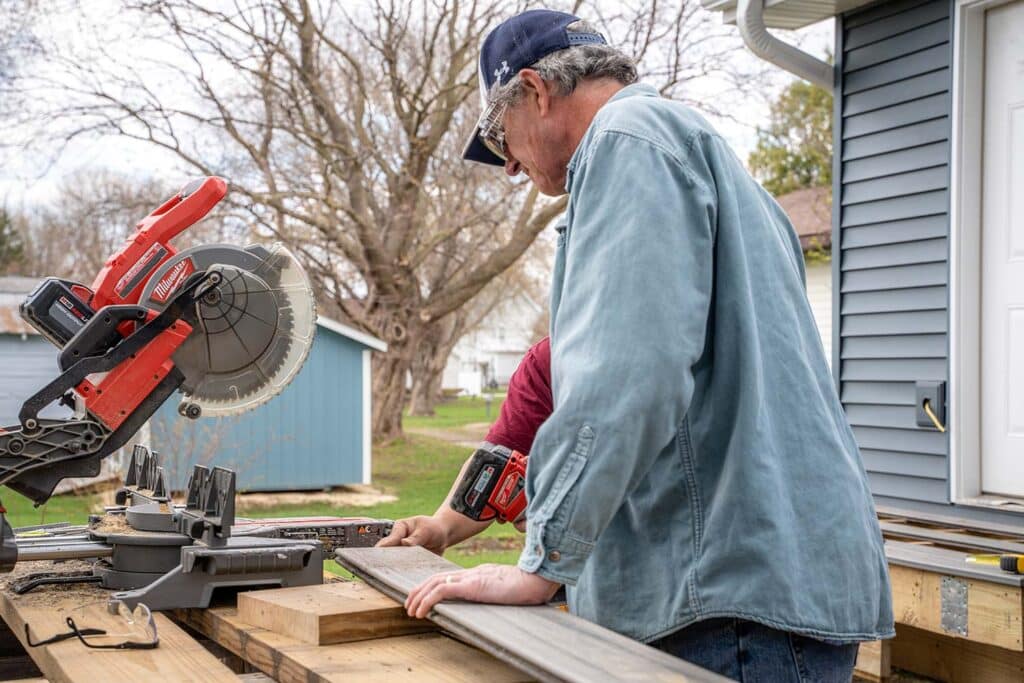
(967,128)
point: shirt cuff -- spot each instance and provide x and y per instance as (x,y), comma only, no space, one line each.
(561,561)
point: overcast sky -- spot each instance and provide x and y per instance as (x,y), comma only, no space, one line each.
(27,179)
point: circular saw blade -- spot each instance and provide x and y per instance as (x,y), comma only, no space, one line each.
(254,328)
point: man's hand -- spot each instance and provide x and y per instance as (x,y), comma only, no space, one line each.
(498,584)
(429,532)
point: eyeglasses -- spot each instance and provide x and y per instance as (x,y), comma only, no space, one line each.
(136,630)
(492,129)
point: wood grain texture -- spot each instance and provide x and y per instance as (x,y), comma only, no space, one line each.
(994,611)
(179,657)
(1011,531)
(873,661)
(547,643)
(413,658)
(954,660)
(331,613)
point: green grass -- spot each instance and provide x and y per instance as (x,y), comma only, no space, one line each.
(461,411)
(67,508)
(417,469)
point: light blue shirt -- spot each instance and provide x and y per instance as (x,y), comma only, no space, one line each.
(698,462)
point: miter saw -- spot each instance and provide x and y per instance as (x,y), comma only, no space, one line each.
(228,327)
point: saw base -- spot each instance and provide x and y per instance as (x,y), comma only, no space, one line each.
(171,556)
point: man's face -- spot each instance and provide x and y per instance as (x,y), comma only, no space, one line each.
(535,138)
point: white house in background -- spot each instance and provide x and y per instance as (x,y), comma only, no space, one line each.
(810,211)
(493,350)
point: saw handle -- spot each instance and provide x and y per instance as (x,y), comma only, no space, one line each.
(126,273)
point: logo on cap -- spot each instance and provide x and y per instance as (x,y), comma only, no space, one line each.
(498,73)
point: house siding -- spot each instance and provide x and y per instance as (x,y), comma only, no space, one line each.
(891,320)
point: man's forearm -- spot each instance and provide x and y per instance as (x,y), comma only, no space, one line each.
(459,526)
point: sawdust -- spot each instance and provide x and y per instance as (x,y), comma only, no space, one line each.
(112,524)
(355,495)
(59,597)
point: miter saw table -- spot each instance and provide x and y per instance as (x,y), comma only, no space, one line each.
(149,549)
(228,327)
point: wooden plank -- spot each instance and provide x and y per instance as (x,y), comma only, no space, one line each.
(548,644)
(178,657)
(421,657)
(967,541)
(873,661)
(1012,530)
(332,613)
(993,610)
(950,562)
(953,659)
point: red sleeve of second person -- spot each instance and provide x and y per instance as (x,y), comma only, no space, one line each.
(528,402)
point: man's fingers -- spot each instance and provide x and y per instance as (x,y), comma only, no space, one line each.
(398,532)
(423,597)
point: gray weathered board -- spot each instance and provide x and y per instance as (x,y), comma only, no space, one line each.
(545,642)
(949,562)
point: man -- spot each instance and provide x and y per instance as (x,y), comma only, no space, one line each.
(697,485)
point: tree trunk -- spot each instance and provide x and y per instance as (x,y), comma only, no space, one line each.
(390,372)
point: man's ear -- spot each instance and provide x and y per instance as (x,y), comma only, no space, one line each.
(537,87)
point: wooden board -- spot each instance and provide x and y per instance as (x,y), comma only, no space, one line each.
(178,657)
(949,562)
(413,658)
(954,660)
(979,544)
(993,610)
(953,521)
(333,613)
(873,660)
(547,643)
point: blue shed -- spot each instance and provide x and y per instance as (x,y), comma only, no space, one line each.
(314,435)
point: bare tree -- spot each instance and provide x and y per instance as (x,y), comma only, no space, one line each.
(89,218)
(340,127)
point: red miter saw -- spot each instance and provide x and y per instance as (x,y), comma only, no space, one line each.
(227,326)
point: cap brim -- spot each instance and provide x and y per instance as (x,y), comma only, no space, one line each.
(476,150)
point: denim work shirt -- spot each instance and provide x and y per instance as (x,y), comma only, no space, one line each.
(698,462)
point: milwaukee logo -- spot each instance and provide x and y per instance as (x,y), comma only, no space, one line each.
(171,279)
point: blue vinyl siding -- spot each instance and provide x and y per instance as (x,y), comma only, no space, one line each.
(308,437)
(891,215)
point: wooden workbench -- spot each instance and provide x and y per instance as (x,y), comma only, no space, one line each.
(212,645)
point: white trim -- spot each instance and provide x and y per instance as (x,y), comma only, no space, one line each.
(367,414)
(964,393)
(352,333)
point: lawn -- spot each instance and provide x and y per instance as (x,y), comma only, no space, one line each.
(455,413)
(417,469)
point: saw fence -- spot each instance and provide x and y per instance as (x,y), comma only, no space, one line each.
(338,631)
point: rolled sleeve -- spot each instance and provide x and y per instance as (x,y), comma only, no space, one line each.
(628,327)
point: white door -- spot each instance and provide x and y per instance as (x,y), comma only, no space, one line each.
(1002,253)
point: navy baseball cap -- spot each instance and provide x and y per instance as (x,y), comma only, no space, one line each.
(515,44)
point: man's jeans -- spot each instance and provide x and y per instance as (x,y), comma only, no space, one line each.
(747,651)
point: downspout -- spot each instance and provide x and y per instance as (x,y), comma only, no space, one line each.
(750,20)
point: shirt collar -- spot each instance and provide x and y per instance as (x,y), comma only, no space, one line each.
(633,90)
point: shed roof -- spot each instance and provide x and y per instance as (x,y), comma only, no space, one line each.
(810,211)
(352,333)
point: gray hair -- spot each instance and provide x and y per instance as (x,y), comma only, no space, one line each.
(568,67)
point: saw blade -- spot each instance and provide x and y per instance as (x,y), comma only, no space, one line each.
(254,329)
